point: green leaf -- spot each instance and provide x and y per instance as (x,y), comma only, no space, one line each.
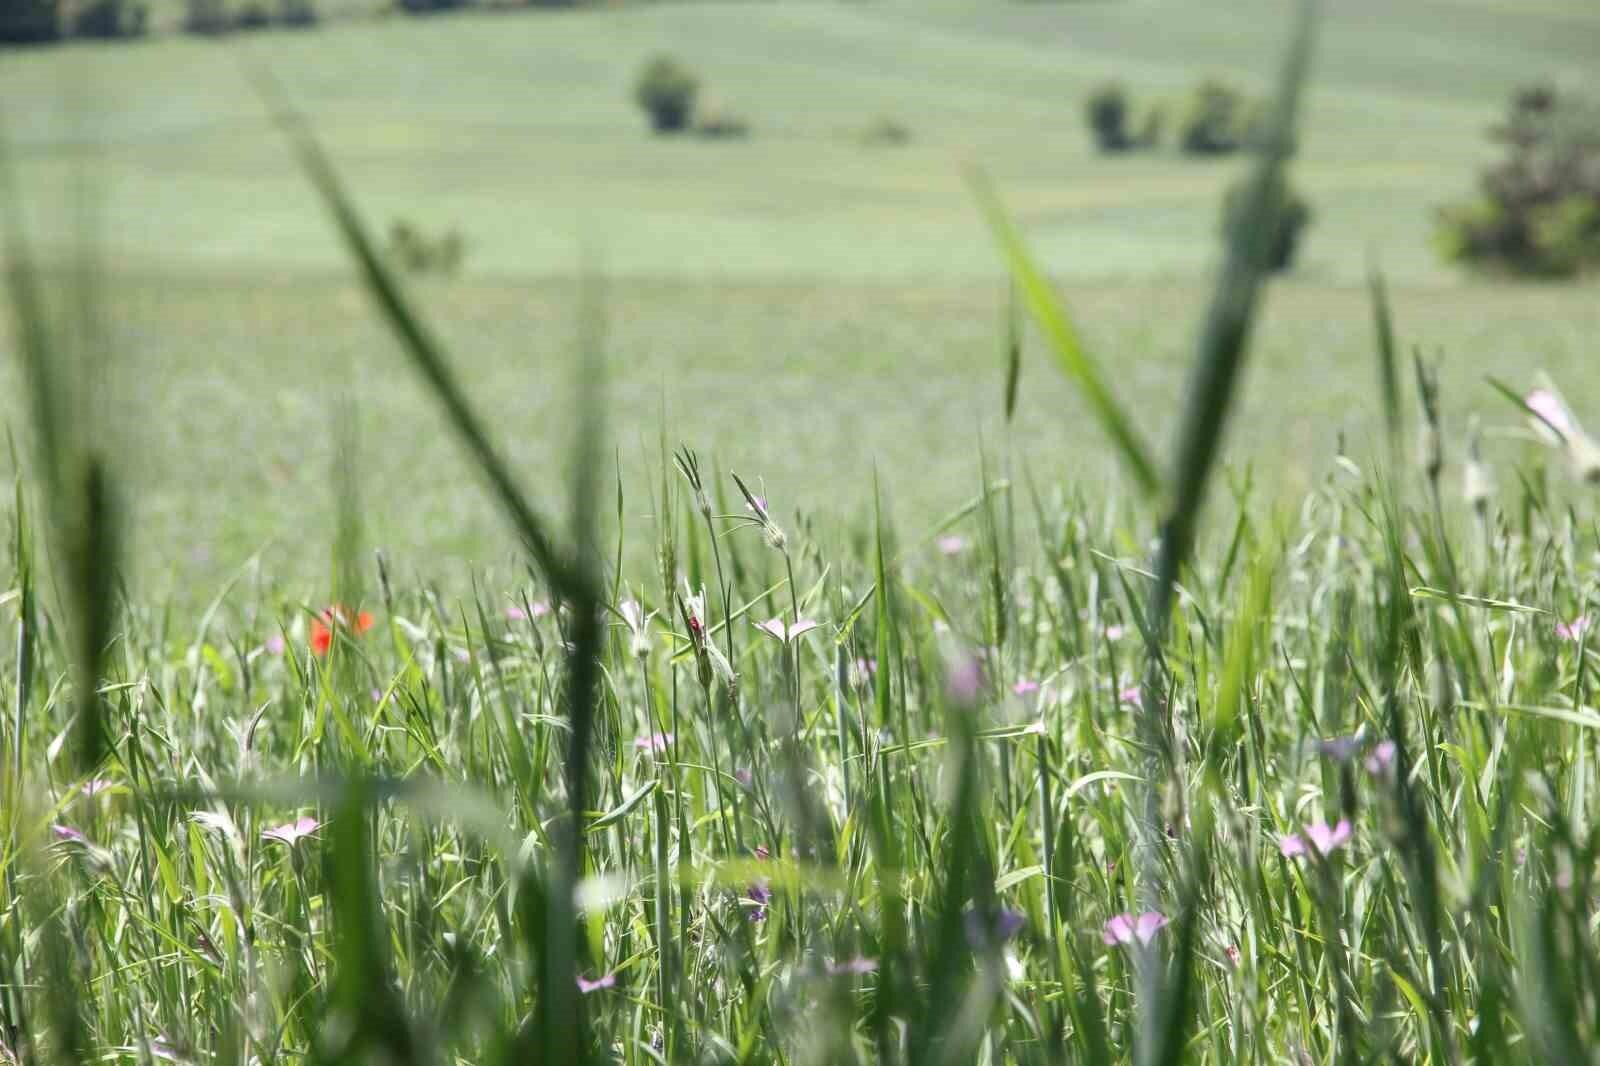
(1062,336)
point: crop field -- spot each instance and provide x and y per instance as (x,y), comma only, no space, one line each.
(790,599)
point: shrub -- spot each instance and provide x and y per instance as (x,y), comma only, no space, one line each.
(885,131)
(666,91)
(298,13)
(29,21)
(417,253)
(252,15)
(1215,121)
(109,18)
(1291,214)
(1107,114)
(206,17)
(1538,213)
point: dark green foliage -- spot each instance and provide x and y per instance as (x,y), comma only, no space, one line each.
(1290,215)
(217,17)
(1538,212)
(666,91)
(885,131)
(1216,120)
(1106,112)
(418,252)
(110,19)
(29,21)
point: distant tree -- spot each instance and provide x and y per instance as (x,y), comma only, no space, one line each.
(109,18)
(206,17)
(1216,120)
(1107,114)
(29,21)
(1290,213)
(666,90)
(1538,212)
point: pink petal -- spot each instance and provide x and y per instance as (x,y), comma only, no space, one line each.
(1327,840)
(802,627)
(653,742)
(66,832)
(1149,924)
(1113,632)
(952,544)
(1132,695)
(1119,930)
(1025,688)
(1291,846)
(773,627)
(1381,757)
(1573,630)
(586,986)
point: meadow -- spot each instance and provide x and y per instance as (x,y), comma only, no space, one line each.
(679,646)
(754,285)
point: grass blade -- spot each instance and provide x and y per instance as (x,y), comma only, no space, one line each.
(1057,327)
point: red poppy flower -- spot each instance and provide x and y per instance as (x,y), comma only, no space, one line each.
(323,625)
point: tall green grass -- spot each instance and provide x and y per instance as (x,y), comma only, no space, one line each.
(1320,790)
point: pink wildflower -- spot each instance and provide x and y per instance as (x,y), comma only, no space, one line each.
(656,742)
(1126,928)
(291,833)
(605,981)
(1573,630)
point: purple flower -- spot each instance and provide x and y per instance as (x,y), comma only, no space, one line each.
(1573,630)
(1381,758)
(775,628)
(517,613)
(951,544)
(964,679)
(274,644)
(1125,928)
(1328,839)
(1005,925)
(1291,846)
(1131,695)
(760,894)
(1114,632)
(654,742)
(1025,688)
(857,965)
(291,833)
(605,981)
(66,832)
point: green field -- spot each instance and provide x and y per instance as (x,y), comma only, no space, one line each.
(1025,768)
(770,294)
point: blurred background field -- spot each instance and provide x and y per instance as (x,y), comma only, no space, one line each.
(802,302)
